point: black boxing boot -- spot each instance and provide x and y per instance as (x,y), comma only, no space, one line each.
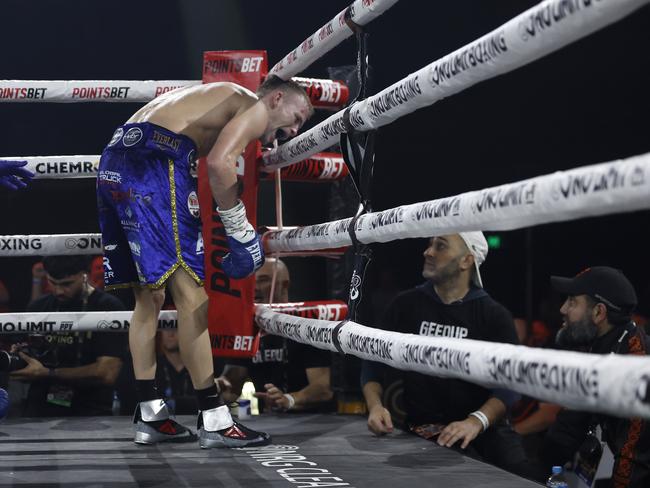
(217,429)
(154,423)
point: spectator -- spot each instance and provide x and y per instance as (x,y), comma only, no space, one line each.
(74,372)
(287,375)
(451,303)
(40,285)
(597,318)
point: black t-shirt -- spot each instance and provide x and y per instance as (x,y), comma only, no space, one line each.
(283,362)
(65,350)
(429,399)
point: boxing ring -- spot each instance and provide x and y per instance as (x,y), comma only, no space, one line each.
(308,451)
(339,445)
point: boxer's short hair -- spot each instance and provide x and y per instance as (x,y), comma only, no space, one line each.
(273,82)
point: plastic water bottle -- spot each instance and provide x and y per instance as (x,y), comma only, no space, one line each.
(115,408)
(557,479)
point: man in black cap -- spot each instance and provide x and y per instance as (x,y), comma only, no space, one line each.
(597,318)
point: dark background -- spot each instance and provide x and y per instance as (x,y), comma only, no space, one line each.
(586,104)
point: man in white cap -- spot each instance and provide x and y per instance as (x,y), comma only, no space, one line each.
(452,304)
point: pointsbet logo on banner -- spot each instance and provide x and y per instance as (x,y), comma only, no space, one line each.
(101,92)
(23,93)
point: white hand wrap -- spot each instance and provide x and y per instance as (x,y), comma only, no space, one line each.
(236,224)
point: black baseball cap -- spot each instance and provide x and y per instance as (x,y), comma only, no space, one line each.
(605,284)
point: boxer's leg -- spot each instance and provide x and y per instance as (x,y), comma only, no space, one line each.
(152,417)
(194,341)
(142,332)
(216,426)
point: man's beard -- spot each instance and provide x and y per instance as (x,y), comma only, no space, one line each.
(447,273)
(580,333)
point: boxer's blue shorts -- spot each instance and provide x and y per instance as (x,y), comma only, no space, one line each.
(148,207)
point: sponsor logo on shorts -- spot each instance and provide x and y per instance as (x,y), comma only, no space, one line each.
(109,177)
(135,248)
(140,274)
(199,244)
(117,135)
(145,199)
(108,270)
(193,204)
(166,140)
(132,136)
(110,247)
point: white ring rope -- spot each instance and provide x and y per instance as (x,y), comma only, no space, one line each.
(329,36)
(52,322)
(71,91)
(614,384)
(537,32)
(114,321)
(60,167)
(601,189)
(324,93)
(50,245)
(320,167)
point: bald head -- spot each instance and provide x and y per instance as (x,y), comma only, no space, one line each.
(263,280)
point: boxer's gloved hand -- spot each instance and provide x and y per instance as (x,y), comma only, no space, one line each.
(246,253)
(12,174)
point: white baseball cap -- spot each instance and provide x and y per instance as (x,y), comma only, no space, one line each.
(478,246)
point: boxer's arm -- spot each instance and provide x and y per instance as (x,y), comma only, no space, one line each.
(233,139)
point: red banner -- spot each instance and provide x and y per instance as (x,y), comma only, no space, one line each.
(331,94)
(322,310)
(320,167)
(230,306)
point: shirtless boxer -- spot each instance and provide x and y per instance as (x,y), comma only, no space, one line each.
(151,231)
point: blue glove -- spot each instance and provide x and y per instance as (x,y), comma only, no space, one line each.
(244,258)
(4,404)
(12,174)
(246,253)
